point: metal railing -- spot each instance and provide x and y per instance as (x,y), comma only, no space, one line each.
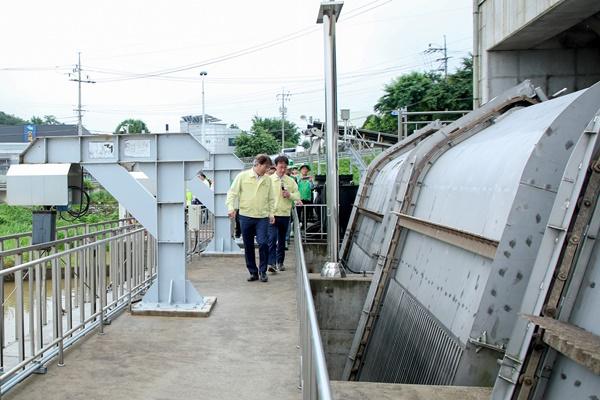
(24,239)
(313,219)
(9,258)
(314,378)
(88,285)
(201,231)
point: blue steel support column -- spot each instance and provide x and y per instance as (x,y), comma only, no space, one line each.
(169,160)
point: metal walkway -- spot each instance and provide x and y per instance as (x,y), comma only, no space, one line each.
(246,349)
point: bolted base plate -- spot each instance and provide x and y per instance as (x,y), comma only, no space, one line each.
(333,270)
(175,310)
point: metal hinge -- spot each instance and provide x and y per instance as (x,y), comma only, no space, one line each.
(481,342)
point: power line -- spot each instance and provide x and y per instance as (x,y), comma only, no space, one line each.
(283,110)
(79,81)
(444,59)
(243,52)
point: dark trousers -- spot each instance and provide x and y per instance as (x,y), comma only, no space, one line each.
(238,229)
(277,233)
(255,227)
(308,210)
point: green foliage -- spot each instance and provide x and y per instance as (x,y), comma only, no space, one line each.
(273,127)
(102,197)
(36,120)
(423,92)
(46,120)
(132,126)
(8,119)
(88,184)
(14,219)
(251,144)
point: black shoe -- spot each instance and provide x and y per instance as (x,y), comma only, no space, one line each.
(263,277)
(252,278)
(271,268)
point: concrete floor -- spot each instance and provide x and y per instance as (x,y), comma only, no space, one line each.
(246,349)
(385,391)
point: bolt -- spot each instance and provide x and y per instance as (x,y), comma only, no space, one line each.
(574,239)
(527,381)
(596,166)
(587,203)
(550,311)
(562,276)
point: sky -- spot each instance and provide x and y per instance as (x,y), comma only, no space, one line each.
(145,57)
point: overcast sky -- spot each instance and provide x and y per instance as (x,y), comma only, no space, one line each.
(251,50)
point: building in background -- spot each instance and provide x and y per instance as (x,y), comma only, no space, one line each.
(554,43)
(218,137)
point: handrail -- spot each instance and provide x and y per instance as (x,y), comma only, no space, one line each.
(32,263)
(41,246)
(90,284)
(314,377)
(65,229)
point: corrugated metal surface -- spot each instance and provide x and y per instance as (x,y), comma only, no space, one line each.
(417,347)
(500,183)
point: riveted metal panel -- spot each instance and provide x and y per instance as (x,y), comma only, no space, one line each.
(499,183)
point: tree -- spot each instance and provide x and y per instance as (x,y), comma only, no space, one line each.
(257,142)
(132,126)
(36,120)
(420,91)
(273,127)
(51,120)
(8,119)
(46,120)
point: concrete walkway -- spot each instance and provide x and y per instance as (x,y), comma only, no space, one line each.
(246,349)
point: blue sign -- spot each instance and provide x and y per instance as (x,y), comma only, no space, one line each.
(395,112)
(29,133)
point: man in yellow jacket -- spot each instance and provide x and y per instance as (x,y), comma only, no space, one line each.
(286,193)
(254,193)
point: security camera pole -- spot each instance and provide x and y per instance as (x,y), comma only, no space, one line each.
(329,12)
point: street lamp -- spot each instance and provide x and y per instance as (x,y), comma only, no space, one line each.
(203,74)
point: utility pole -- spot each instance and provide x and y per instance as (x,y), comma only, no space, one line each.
(444,59)
(79,81)
(203,74)
(283,110)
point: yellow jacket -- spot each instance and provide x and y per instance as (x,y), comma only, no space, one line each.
(283,206)
(255,196)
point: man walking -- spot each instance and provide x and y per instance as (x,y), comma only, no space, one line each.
(286,193)
(254,193)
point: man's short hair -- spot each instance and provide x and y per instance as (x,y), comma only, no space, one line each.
(282,159)
(263,159)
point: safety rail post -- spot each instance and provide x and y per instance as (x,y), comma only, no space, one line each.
(314,377)
(30,352)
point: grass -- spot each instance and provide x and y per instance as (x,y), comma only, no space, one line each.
(16,219)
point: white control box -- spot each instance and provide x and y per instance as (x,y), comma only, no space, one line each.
(194,214)
(42,184)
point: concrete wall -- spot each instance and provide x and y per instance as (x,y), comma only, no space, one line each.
(338,302)
(216,136)
(550,69)
(555,43)
(315,255)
